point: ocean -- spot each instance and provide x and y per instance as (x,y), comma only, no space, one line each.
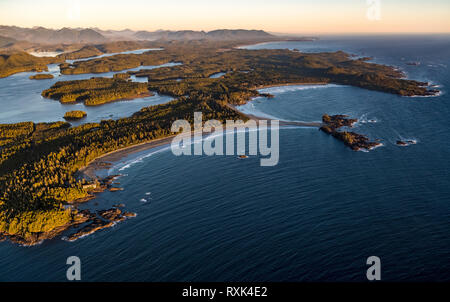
(316,216)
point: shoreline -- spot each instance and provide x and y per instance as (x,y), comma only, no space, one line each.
(104,161)
(97,164)
(130,98)
(290,84)
(281,122)
(276,40)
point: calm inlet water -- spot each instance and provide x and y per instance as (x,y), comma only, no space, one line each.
(316,216)
(21,100)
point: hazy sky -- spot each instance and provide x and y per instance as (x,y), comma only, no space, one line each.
(286,16)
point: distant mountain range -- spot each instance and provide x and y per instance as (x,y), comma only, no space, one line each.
(41,35)
(41,39)
(5,41)
(221,34)
(50,36)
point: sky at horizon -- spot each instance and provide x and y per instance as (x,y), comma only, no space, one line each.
(281,16)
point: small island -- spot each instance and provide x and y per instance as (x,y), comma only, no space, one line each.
(355,141)
(96,91)
(41,76)
(406,143)
(75,115)
(123,76)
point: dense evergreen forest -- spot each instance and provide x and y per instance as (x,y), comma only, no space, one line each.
(12,63)
(41,76)
(95,91)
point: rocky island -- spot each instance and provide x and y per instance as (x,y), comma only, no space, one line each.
(41,76)
(404,143)
(97,221)
(96,91)
(355,141)
(74,115)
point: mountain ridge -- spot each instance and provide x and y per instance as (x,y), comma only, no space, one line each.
(42,35)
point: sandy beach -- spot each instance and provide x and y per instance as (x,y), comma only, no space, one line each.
(289,84)
(99,163)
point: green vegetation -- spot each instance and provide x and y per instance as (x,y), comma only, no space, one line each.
(38,162)
(41,76)
(22,62)
(28,225)
(75,115)
(14,132)
(37,168)
(252,68)
(123,76)
(95,91)
(84,52)
(112,63)
(19,61)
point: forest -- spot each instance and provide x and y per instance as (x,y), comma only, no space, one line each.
(12,63)
(252,68)
(41,76)
(74,115)
(95,91)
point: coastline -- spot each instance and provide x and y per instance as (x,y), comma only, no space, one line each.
(242,46)
(103,162)
(286,39)
(281,122)
(130,98)
(290,84)
(94,165)
(98,163)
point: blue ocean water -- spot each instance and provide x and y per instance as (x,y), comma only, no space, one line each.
(316,216)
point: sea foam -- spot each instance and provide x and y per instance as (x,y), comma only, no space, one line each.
(289,88)
(141,158)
